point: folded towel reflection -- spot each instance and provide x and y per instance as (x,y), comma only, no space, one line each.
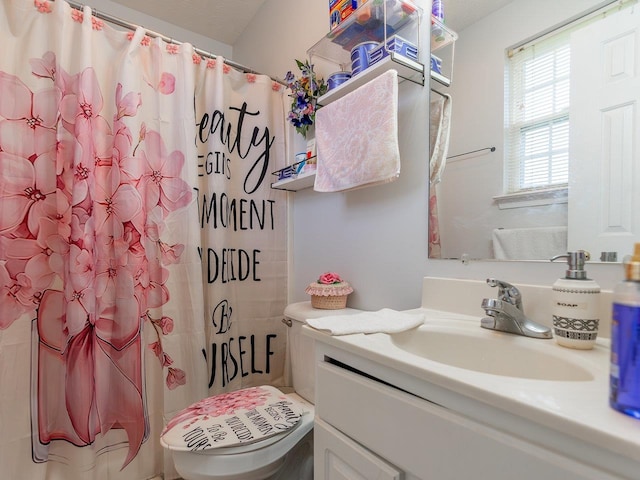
(533,243)
(382,321)
(357,137)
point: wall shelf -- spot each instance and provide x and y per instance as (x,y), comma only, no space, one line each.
(375,20)
(293,184)
(441,35)
(384,19)
(443,42)
(407,68)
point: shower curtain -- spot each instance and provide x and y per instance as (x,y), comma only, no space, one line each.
(439,130)
(109,295)
(240,122)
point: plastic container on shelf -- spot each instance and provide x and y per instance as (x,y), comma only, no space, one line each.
(336,79)
(360,56)
(395,44)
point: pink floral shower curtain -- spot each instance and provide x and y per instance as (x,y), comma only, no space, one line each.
(101,291)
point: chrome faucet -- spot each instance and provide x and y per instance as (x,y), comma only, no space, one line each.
(507,315)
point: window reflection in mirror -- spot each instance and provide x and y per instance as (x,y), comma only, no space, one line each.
(483,214)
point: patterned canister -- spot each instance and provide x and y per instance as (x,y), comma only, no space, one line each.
(337,78)
(360,57)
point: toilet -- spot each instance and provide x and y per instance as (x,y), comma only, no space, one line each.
(281,456)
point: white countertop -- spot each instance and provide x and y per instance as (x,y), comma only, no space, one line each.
(578,409)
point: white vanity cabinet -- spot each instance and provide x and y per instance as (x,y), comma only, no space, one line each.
(368,426)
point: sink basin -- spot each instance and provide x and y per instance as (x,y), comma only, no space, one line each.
(495,353)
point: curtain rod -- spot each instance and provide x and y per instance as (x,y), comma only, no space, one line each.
(491,149)
(132,26)
(595,10)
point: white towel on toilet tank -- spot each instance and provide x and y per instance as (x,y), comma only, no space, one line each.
(381,321)
(357,137)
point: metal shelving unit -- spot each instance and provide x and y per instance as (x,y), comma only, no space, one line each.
(375,20)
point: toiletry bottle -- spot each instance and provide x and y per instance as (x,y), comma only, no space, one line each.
(437,12)
(576,305)
(624,379)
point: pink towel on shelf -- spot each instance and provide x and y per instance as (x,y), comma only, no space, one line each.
(357,137)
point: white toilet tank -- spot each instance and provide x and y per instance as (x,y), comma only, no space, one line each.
(301,349)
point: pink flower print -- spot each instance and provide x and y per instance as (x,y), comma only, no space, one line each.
(165,360)
(151,290)
(172,48)
(175,378)
(146,41)
(167,83)
(26,191)
(211,63)
(197,59)
(16,296)
(43,6)
(77,15)
(276,87)
(81,109)
(79,294)
(163,82)
(130,35)
(159,174)
(156,348)
(114,202)
(29,119)
(165,324)
(170,254)
(143,132)
(251,77)
(44,67)
(226,68)
(222,404)
(42,260)
(128,104)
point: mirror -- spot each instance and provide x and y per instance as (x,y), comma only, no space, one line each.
(595,213)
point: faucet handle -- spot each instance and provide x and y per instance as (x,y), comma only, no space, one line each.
(507,292)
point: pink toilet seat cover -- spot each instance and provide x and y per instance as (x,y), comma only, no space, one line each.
(241,417)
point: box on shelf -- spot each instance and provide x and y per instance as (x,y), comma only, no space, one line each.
(436,64)
(369,24)
(339,10)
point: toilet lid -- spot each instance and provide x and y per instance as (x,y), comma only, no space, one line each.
(242,417)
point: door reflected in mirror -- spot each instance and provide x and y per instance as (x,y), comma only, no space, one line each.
(475,210)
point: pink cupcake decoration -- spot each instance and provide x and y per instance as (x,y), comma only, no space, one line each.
(329,292)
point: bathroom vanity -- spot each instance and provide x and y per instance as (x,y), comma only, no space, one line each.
(451,400)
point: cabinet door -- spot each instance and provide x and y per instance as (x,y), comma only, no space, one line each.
(430,442)
(336,457)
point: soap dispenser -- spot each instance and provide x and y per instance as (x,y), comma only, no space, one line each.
(576,304)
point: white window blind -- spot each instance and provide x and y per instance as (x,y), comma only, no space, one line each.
(537,137)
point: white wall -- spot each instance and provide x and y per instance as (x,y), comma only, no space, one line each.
(167,29)
(377,237)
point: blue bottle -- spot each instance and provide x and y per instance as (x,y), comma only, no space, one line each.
(624,387)
(437,10)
